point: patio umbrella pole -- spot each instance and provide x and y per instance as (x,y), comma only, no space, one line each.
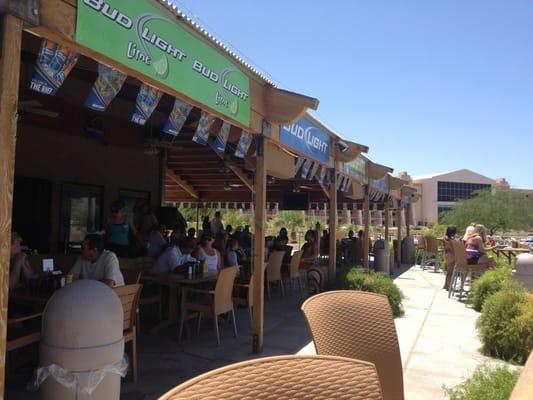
(9,76)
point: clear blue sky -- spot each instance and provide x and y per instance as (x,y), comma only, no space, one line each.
(430,86)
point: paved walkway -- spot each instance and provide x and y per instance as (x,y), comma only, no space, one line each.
(437,341)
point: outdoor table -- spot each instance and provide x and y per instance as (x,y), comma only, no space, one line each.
(174,281)
(509,252)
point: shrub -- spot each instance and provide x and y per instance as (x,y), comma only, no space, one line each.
(487,284)
(376,282)
(506,324)
(494,383)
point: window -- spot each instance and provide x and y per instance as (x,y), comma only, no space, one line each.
(81,212)
(453,191)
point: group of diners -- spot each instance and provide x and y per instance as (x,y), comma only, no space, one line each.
(476,245)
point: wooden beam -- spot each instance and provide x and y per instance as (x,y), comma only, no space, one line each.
(332,266)
(259,247)
(9,76)
(399,231)
(181,183)
(239,172)
(322,186)
(366,222)
(387,218)
(26,10)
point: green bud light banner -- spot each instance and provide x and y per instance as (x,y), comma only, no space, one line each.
(146,37)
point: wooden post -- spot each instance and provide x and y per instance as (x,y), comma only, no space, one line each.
(407,219)
(259,246)
(387,218)
(399,228)
(366,222)
(332,266)
(9,78)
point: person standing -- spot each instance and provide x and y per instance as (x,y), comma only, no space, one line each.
(118,230)
(216,224)
(449,256)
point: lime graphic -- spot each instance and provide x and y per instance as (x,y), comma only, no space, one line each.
(161,67)
(233,106)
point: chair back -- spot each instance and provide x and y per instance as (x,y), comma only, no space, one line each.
(284,377)
(224,290)
(358,325)
(431,244)
(294,268)
(459,253)
(131,276)
(129,297)
(274,266)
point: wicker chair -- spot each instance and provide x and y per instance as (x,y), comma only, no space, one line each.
(295,275)
(214,302)
(462,270)
(358,325)
(285,378)
(430,254)
(273,269)
(129,296)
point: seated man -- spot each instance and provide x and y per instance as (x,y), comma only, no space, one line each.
(96,263)
(175,256)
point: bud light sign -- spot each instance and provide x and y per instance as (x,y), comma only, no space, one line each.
(307,138)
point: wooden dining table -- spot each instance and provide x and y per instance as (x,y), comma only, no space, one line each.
(174,282)
(509,252)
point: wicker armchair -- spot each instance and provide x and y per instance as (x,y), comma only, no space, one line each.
(285,378)
(358,325)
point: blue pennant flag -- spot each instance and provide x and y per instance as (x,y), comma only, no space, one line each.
(244,144)
(105,88)
(177,117)
(220,142)
(201,136)
(147,101)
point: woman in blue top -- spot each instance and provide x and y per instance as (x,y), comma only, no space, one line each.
(118,230)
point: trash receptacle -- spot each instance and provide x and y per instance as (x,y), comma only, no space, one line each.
(82,345)
(524,270)
(382,256)
(408,250)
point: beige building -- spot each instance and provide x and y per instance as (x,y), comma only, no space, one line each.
(439,192)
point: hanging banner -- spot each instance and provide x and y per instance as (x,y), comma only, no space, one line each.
(357,169)
(147,101)
(307,138)
(222,138)
(299,162)
(144,36)
(204,126)
(381,184)
(244,144)
(105,88)
(54,63)
(313,172)
(177,117)
(305,169)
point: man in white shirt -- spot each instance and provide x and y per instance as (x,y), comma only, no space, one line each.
(175,256)
(216,224)
(96,263)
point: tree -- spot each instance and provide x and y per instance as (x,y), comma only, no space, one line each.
(498,211)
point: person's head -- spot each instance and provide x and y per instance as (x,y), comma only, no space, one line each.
(229,229)
(469,232)
(283,232)
(206,219)
(247,229)
(282,240)
(187,245)
(360,233)
(16,240)
(177,235)
(92,246)
(350,234)
(206,241)
(451,231)
(325,232)
(191,232)
(269,241)
(310,236)
(481,231)
(217,214)
(232,244)
(117,208)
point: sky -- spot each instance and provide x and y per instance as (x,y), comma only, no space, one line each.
(429,86)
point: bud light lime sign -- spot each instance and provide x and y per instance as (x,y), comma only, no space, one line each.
(307,138)
(145,37)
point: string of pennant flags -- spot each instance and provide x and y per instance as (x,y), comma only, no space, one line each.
(55,62)
(308,169)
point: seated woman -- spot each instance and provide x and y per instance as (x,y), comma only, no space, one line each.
(309,250)
(449,237)
(207,253)
(19,268)
(475,246)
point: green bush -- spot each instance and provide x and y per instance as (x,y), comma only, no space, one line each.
(494,383)
(487,284)
(506,324)
(376,282)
